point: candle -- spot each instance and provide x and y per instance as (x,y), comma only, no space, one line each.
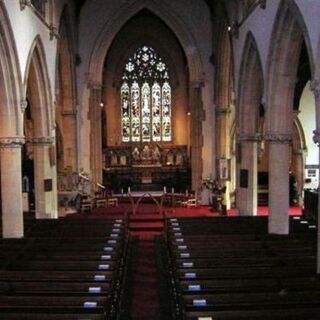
(187,192)
(172,190)
(121,190)
(164,189)
(129,190)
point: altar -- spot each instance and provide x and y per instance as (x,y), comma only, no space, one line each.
(146,166)
(136,198)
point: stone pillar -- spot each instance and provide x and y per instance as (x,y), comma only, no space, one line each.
(247,196)
(315,88)
(69,123)
(223,143)
(95,134)
(279,155)
(45,178)
(11,187)
(196,138)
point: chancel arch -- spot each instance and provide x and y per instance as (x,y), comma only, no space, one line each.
(289,33)
(11,135)
(198,83)
(145,98)
(40,133)
(248,110)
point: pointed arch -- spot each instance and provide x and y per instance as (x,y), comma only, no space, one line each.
(122,15)
(10,81)
(288,33)
(250,87)
(37,69)
(66,57)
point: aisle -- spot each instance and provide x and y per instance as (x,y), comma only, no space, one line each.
(145,300)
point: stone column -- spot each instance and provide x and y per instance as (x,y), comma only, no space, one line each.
(45,178)
(69,122)
(223,142)
(247,196)
(196,138)
(315,88)
(279,155)
(11,187)
(95,134)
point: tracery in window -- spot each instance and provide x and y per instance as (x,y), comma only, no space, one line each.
(145,98)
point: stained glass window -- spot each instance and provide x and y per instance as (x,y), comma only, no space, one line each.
(145,98)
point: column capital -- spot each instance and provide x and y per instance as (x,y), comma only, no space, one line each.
(315,88)
(280,138)
(41,141)
(222,110)
(11,142)
(246,137)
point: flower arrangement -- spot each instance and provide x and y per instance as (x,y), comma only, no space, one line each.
(214,186)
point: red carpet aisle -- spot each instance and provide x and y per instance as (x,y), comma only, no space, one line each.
(145,301)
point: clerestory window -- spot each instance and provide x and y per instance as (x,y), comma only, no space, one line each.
(145,98)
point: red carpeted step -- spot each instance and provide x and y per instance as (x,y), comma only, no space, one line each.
(146,225)
(147,217)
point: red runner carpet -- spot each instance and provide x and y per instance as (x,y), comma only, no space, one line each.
(145,301)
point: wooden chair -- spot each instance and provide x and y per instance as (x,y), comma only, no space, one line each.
(86,204)
(191,202)
(111,201)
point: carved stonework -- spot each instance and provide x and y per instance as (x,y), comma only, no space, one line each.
(11,142)
(54,34)
(315,88)
(41,141)
(24,3)
(249,137)
(23,105)
(316,137)
(278,138)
